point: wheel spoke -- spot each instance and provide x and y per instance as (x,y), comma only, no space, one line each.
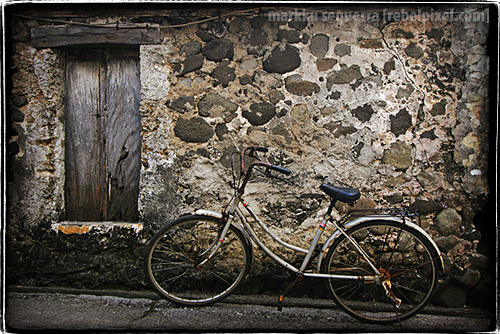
(394,248)
(177,244)
(170,267)
(383,246)
(171,251)
(413,268)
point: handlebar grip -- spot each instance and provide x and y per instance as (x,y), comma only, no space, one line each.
(261,149)
(280,169)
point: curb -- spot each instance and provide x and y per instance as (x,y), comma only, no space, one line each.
(263,300)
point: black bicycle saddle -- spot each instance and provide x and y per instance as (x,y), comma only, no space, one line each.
(346,195)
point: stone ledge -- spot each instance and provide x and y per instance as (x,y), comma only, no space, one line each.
(80,227)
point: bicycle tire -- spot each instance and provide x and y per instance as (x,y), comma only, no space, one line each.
(173,256)
(403,255)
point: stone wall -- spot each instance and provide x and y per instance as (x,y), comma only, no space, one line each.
(397,108)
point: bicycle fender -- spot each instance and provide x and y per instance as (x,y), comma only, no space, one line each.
(360,220)
(208,213)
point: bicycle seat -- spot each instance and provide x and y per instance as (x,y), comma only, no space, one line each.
(346,195)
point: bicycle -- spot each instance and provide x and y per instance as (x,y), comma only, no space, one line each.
(380,266)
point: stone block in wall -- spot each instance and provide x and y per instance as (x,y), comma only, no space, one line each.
(343,76)
(249,64)
(238,25)
(447,243)
(214,105)
(260,113)
(19,101)
(183,104)
(194,130)
(204,36)
(257,38)
(479,261)
(245,80)
(299,116)
(319,45)
(291,36)
(218,49)
(398,155)
(223,74)
(438,108)
(414,50)
(430,180)
(405,92)
(190,64)
(16,115)
(401,122)
(363,113)
(470,278)
(298,24)
(301,87)
(342,50)
(338,130)
(275,96)
(426,206)
(389,66)
(191,48)
(448,222)
(325,64)
(282,60)
(394,198)
(371,44)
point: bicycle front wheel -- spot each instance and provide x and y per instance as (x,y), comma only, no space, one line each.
(175,265)
(405,260)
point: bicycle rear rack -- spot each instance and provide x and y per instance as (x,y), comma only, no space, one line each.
(389,212)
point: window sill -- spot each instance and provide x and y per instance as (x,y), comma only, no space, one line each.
(85,227)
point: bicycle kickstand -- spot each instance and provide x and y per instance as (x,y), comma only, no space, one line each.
(397,315)
(298,279)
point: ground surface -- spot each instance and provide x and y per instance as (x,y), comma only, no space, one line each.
(65,311)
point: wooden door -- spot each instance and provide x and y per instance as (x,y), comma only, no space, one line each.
(103,143)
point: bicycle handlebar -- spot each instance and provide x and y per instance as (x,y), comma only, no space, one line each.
(260,163)
(280,169)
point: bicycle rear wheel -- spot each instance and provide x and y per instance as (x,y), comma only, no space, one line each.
(174,258)
(403,256)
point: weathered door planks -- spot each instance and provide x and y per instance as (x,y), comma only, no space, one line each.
(102,134)
(123,133)
(84,172)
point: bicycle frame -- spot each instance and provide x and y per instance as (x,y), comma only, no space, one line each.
(236,210)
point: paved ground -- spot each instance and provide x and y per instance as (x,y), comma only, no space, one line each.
(145,312)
